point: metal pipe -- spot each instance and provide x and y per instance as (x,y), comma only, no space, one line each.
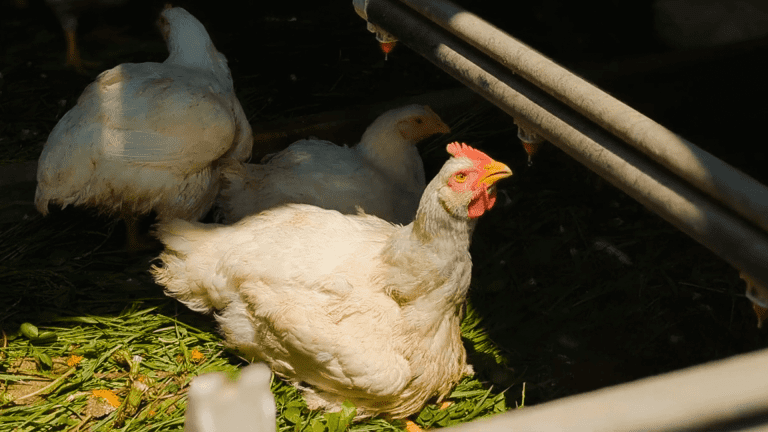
(698,167)
(733,239)
(725,395)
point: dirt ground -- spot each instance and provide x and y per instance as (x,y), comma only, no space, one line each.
(570,315)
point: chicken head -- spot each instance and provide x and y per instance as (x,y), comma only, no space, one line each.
(421,123)
(470,188)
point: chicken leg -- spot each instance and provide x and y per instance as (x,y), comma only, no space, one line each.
(135,240)
(73,54)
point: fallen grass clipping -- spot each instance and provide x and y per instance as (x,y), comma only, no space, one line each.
(131,372)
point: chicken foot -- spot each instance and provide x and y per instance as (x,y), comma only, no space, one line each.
(411,426)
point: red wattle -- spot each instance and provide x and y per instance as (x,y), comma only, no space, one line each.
(481,203)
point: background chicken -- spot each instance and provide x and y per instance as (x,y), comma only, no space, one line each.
(68,11)
(149,136)
(383,174)
(345,307)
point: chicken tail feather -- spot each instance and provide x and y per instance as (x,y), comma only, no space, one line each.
(188,269)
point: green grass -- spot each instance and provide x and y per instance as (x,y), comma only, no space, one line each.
(170,353)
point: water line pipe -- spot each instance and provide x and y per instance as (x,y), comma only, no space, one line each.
(698,167)
(717,227)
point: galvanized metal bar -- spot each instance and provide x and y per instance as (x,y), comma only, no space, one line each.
(730,237)
(726,395)
(698,167)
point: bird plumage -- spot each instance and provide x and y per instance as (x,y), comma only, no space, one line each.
(344,306)
(382,175)
(149,136)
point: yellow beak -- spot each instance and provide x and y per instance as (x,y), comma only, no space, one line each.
(494,172)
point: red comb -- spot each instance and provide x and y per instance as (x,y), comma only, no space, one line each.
(462,150)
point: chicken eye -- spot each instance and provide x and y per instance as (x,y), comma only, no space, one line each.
(460,177)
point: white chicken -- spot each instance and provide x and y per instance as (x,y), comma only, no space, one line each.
(149,136)
(383,174)
(346,307)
